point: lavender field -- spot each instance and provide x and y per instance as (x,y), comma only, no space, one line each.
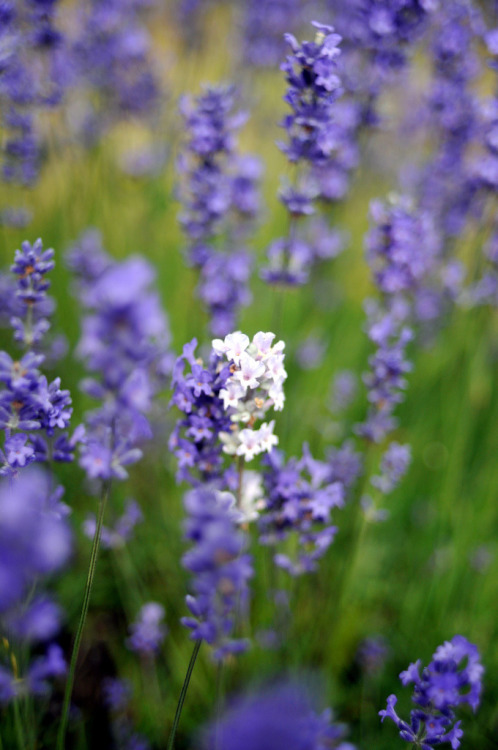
(248,362)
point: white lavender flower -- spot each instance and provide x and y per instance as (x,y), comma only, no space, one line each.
(254,386)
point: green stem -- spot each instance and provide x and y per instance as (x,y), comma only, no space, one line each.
(181,699)
(106,487)
(21,741)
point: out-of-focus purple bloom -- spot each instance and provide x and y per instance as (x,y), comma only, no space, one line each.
(117,696)
(44,668)
(121,532)
(372,654)
(300,497)
(282,716)
(17,217)
(263,24)
(452,678)
(34,540)
(394,465)
(148,631)
(219,193)
(401,246)
(125,343)
(310,353)
(32,57)
(386,379)
(321,145)
(221,570)
(112,68)
(39,622)
(344,390)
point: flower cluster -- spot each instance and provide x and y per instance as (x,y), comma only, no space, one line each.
(220,198)
(384,30)
(386,379)
(122,530)
(148,631)
(125,343)
(35,540)
(222,402)
(301,495)
(394,465)
(33,412)
(112,67)
(314,85)
(401,247)
(452,678)
(263,23)
(255,385)
(446,187)
(220,567)
(282,716)
(195,439)
(32,78)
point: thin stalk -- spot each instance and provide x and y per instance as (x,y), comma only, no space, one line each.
(21,740)
(181,699)
(106,487)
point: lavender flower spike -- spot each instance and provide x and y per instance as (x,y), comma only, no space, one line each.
(220,567)
(452,678)
(279,717)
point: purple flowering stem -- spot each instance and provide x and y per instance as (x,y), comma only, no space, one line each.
(61,736)
(181,699)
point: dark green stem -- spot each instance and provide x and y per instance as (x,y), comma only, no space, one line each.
(106,487)
(181,699)
(18,725)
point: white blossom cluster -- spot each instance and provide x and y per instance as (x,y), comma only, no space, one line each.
(256,385)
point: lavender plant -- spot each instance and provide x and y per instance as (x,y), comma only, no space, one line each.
(219,194)
(314,85)
(452,679)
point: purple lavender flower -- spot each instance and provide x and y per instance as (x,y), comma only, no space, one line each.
(28,403)
(219,194)
(343,391)
(372,654)
(282,716)
(148,631)
(394,465)
(122,530)
(220,567)
(301,495)
(263,25)
(35,540)
(125,344)
(222,402)
(195,439)
(313,143)
(113,70)
(386,379)
(32,78)
(452,678)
